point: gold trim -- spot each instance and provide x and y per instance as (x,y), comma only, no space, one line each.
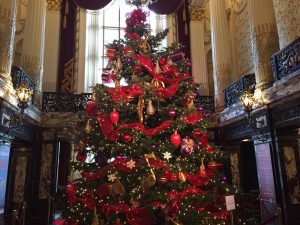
(54,5)
(68,81)
(197,13)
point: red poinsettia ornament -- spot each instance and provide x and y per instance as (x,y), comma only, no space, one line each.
(114,116)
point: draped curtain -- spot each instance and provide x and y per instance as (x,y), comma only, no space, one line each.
(159,7)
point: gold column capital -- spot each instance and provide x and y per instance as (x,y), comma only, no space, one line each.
(197,13)
(54,5)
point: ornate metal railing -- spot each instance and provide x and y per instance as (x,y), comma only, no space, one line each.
(233,93)
(64,102)
(286,61)
(68,102)
(206,102)
(18,75)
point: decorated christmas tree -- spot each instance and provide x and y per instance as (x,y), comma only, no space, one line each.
(143,155)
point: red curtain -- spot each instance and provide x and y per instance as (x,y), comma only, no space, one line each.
(92,4)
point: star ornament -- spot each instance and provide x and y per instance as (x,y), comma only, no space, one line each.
(130,164)
(167,155)
(112,177)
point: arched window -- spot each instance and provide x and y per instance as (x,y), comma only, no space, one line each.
(104,26)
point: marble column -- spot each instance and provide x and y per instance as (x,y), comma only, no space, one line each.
(52,34)
(198,54)
(264,40)
(33,45)
(287,14)
(8,11)
(220,50)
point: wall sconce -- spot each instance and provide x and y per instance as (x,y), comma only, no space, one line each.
(23,94)
(249,101)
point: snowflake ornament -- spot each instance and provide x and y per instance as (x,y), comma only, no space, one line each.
(131,164)
(112,177)
(167,155)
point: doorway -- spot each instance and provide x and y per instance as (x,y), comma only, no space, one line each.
(248,169)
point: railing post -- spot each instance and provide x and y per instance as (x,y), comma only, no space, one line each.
(14,216)
(23,215)
(278,213)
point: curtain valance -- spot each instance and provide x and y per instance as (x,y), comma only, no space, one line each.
(92,4)
(159,7)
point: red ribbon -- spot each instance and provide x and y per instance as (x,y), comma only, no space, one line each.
(190,190)
(71,193)
(125,93)
(150,132)
(162,92)
(193,117)
(146,62)
(135,216)
(105,124)
(94,176)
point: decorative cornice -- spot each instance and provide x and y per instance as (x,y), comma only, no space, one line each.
(54,5)
(197,13)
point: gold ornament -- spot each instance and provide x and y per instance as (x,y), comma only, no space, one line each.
(140,108)
(117,83)
(95,220)
(149,156)
(190,101)
(134,77)
(118,188)
(157,68)
(119,64)
(130,52)
(94,97)
(150,108)
(145,45)
(156,83)
(202,169)
(175,222)
(88,127)
(162,180)
(181,175)
(151,179)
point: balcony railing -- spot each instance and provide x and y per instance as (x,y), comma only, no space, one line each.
(206,102)
(286,61)
(68,102)
(64,102)
(18,75)
(233,93)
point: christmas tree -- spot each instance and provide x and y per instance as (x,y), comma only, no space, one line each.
(143,153)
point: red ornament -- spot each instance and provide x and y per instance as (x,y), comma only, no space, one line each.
(163,61)
(81,156)
(175,139)
(197,134)
(172,113)
(127,138)
(114,116)
(138,68)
